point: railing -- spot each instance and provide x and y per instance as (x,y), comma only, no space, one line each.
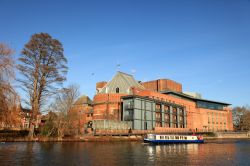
(174,120)
(166,120)
(128,118)
(111,125)
(157,110)
(167,111)
(158,130)
(158,119)
(129,106)
(230,132)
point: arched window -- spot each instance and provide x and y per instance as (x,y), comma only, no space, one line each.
(117,90)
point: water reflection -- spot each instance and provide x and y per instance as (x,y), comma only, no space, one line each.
(125,153)
(194,154)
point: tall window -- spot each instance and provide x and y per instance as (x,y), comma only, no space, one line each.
(117,90)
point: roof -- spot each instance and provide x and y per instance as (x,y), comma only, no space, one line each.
(193,98)
(27,110)
(122,81)
(150,99)
(83,100)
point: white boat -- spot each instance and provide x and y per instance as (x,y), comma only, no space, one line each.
(160,138)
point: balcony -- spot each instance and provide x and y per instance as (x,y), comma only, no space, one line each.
(167,111)
(159,119)
(174,113)
(166,120)
(128,118)
(129,106)
(166,117)
(157,110)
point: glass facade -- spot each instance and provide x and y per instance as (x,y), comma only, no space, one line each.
(209,105)
(146,114)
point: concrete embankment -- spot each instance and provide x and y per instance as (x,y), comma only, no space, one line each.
(82,138)
(232,135)
(38,139)
(110,138)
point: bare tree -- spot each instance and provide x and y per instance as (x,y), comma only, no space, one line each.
(6,63)
(63,105)
(8,97)
(43,67)
(241,118)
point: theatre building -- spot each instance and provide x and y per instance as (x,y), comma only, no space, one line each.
(157,105)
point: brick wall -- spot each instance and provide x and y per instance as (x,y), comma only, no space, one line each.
(82,110)
(163,85)
(107,106)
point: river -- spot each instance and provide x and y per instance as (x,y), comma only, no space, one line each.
(213,152)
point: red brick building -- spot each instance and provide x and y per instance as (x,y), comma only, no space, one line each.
(107,102)
(170,107)
(84,110)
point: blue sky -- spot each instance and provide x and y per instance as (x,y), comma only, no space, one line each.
(205,45)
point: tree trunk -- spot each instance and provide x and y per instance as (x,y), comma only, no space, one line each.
(31,130)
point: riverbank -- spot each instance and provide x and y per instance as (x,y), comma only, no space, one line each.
(75,139)
(110,138)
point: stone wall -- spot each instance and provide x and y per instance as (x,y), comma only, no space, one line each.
(233,134)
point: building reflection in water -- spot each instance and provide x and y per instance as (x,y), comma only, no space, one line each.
(192,154)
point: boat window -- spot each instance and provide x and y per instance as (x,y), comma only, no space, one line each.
(176,137)
(185,137)
(166,137)
(151,136)
(172,137)
(161,137)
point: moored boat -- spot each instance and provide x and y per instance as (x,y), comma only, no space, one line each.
(160,138)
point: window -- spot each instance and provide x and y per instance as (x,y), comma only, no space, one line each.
(209,105)
(117,90)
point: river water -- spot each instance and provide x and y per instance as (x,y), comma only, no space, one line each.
(213,152)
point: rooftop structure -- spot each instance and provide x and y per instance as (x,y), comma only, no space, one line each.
(163,85)
(201,103)
(83,100)
(194,94)
(120,83)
